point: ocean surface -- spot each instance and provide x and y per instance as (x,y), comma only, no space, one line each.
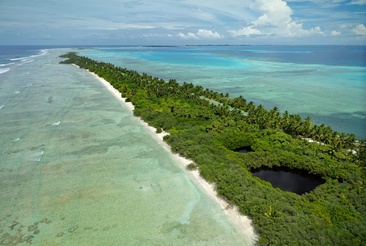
(327,83)
(76,168)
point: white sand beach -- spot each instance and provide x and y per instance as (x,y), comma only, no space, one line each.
(242,222)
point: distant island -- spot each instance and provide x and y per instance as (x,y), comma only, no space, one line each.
(209,128)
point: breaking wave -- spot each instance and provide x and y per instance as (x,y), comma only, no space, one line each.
(4,70)
(7,64)
(18,61)
(56,123)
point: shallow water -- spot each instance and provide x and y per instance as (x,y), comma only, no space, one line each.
(76,168)
(327,83)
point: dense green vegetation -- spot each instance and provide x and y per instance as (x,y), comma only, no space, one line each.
(206,127)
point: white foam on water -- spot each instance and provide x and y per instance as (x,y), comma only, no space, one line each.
(56,123)
(2,106)
(26,58)
(36,156)
(22,60)
(16,139)
(17,92)
(7,64)
(43,52)
(4,70)
(17,59)
(26,61)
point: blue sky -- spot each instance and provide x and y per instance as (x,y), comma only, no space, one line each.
(135,22)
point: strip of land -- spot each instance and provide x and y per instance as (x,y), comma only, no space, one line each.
(243,223)
(210,134)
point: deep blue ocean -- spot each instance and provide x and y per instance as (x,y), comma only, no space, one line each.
(327,83)
(11,56)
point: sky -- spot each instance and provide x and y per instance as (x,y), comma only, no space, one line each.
(179,22)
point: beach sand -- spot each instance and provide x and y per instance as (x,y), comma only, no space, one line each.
(243,223)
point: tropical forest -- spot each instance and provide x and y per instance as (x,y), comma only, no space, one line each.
(209,127)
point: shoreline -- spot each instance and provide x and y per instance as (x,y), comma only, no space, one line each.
(242,222)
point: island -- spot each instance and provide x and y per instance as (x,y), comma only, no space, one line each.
(228,139)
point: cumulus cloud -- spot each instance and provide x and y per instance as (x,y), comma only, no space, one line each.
(275,20)
(187,36)
(296,30)
(200,34)
(360,30)
(144,20)
(245,31)
(335,33)
(208,34)
(275,13)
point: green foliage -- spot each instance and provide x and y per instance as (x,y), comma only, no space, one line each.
(191,166)
(206,127)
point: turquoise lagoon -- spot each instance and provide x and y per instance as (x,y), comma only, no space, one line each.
(327,83)
(76,168)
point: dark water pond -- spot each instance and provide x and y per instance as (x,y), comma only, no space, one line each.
(294,180)
(243,149)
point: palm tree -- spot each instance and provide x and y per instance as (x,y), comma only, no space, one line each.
(285,122)
(306,127)
(360,156)
(274,121)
